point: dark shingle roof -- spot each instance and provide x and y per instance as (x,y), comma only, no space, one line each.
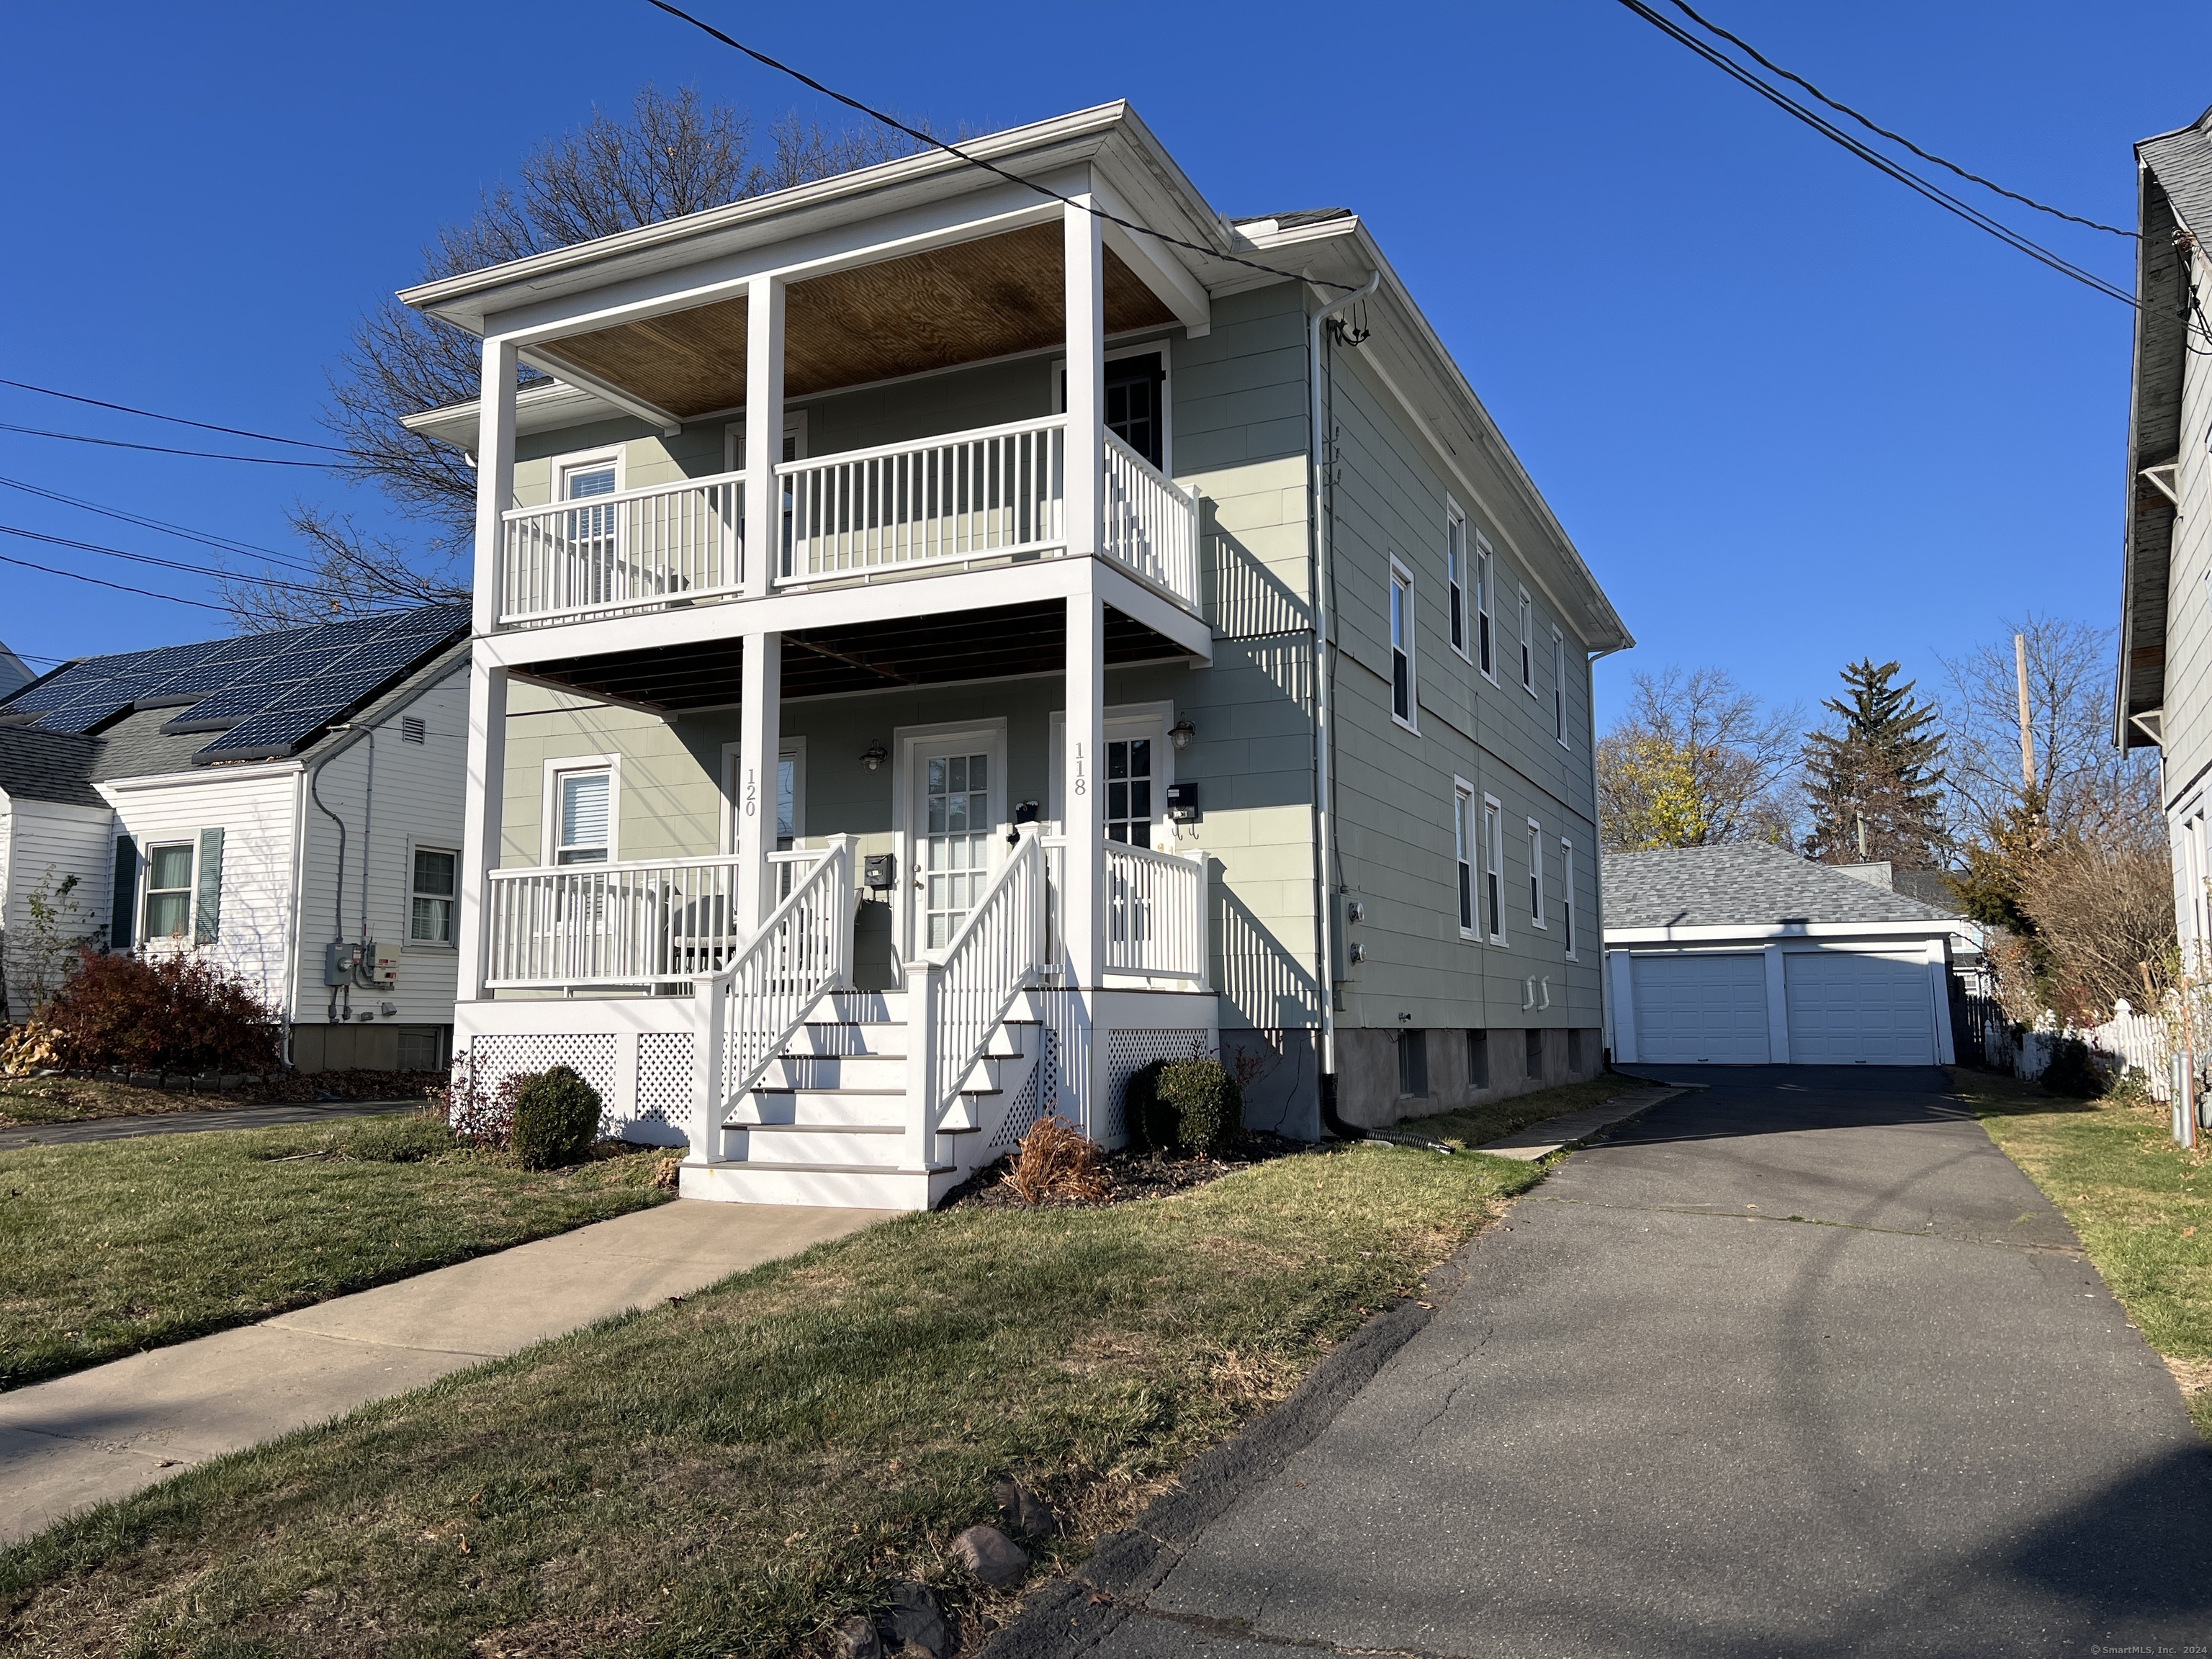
(2183,162)
(54,766)
(1746,885)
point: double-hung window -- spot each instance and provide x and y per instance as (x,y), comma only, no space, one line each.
(1402,644)
(1567,891)
(430,897)
(1560,687)
(168,890)
(1536,874)
(1493,867)
(1455,575)
(585,807)
(1463,854)
(1486,584)
(1527,643)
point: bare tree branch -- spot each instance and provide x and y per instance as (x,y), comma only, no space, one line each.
(1695,761)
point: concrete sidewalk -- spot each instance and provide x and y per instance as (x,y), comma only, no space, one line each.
(105,1432)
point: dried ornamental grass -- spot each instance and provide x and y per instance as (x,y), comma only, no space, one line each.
(1056,1161)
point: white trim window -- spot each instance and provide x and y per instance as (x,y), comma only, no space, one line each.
(1456,573)
(1536,875)
(1560,687)
(1485,581)
(1494,866)
(1402,646)
(168,890)
(1567,893)
(1463,855)
(1528,644)
(584,817)
(433,884)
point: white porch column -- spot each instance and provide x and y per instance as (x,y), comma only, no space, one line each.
(1081,907)
(483,799)
(760,738)
(763,435)
(495,474)
(1086,274)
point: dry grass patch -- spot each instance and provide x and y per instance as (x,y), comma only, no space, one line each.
(734,1474)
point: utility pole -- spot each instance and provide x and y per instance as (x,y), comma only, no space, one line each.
(2026,737)
(1862,844)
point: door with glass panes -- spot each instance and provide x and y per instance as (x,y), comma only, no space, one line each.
(959,806)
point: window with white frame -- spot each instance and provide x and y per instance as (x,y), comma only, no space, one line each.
(1567,891)
(1456,574)
(2193,873)
(584,817)
(431,894)
(1402,644)
(1485,585)
(168,890)
(1527,642)
(1536,874)
(1494,866)
(1560,687)
(1463,853)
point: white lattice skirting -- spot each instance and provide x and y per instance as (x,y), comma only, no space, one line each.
(665,1078)
(591,1055)
(1128,1053)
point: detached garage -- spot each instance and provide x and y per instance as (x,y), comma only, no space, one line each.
(1750,956)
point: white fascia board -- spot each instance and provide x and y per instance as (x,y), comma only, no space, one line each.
(1344,251)
(627,403)
(1157,265)
(115,787)
(537,408)
(826,607)
(1766,933)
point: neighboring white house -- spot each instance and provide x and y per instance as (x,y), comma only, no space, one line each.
(1750,955)
(13,674)
(261,800)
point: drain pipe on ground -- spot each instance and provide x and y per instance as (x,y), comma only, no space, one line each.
(1320,522)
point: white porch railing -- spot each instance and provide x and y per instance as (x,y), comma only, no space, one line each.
(680,541)
(803,951)
(1150,525)
(997,492)
(619,924)
(1155,913)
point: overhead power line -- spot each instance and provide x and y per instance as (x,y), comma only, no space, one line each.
(1760,58)
(149,558)
(219,543)
(158,449)
(1903,176)
(935,142)
(120,588)
(177,420)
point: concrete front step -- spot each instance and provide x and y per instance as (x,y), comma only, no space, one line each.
(847,1186)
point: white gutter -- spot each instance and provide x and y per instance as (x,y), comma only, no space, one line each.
(1324,733)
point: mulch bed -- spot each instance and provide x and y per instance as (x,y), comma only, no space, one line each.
(1131,1175)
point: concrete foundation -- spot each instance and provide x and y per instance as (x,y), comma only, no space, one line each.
(1373,1075)
(386,1046)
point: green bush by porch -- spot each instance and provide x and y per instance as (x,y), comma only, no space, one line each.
(732,1475)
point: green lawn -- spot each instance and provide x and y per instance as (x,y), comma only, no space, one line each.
(115,1246)
(734,1474)
(1476,1124)
(2142,1206)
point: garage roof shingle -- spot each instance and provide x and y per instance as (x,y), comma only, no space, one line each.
(1745,884)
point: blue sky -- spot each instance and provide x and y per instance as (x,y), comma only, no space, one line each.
(1791,414)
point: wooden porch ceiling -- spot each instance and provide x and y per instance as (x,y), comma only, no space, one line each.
(960,304)
(1000,643)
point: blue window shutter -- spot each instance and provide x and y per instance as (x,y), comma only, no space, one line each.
(123,897)
(207,915)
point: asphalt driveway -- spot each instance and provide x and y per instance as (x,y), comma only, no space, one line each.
(1799,1364)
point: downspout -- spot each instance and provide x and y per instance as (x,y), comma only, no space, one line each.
(337,879)
(1597,880)
(1319,520)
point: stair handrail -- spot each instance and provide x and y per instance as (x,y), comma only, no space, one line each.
(801,954)
(956,1003)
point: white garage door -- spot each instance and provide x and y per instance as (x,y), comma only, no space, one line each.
(1701,1010)
(1854,1008)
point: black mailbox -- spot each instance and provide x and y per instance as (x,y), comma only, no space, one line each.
(880,871)
(1183,803)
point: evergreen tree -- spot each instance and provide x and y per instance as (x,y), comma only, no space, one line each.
(1877,761)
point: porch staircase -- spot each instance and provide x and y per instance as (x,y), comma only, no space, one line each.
(829,1121)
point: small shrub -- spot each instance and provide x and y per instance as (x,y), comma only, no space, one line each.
(1208,1107)
(1149,1121)
(170,1014)
(1056,1162)
(410,1139)
(479,1116)
(557,1119)
(2071,1071)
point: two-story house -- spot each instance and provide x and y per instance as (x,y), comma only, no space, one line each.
(2165,682)
(1156,647)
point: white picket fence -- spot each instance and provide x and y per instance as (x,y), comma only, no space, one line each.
(2127,1041)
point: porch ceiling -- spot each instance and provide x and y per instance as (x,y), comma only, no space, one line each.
(960,304)
(1000,643)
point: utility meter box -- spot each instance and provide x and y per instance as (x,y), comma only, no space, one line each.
(342,959)
(382,962)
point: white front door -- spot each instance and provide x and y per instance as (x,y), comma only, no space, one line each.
(959,793)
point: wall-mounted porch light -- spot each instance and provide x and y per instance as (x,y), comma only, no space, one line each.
(874,755)
(1182,733)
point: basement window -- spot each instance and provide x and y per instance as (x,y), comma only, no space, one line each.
(1413,1065)
(1478,1060)
(1535,1056)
